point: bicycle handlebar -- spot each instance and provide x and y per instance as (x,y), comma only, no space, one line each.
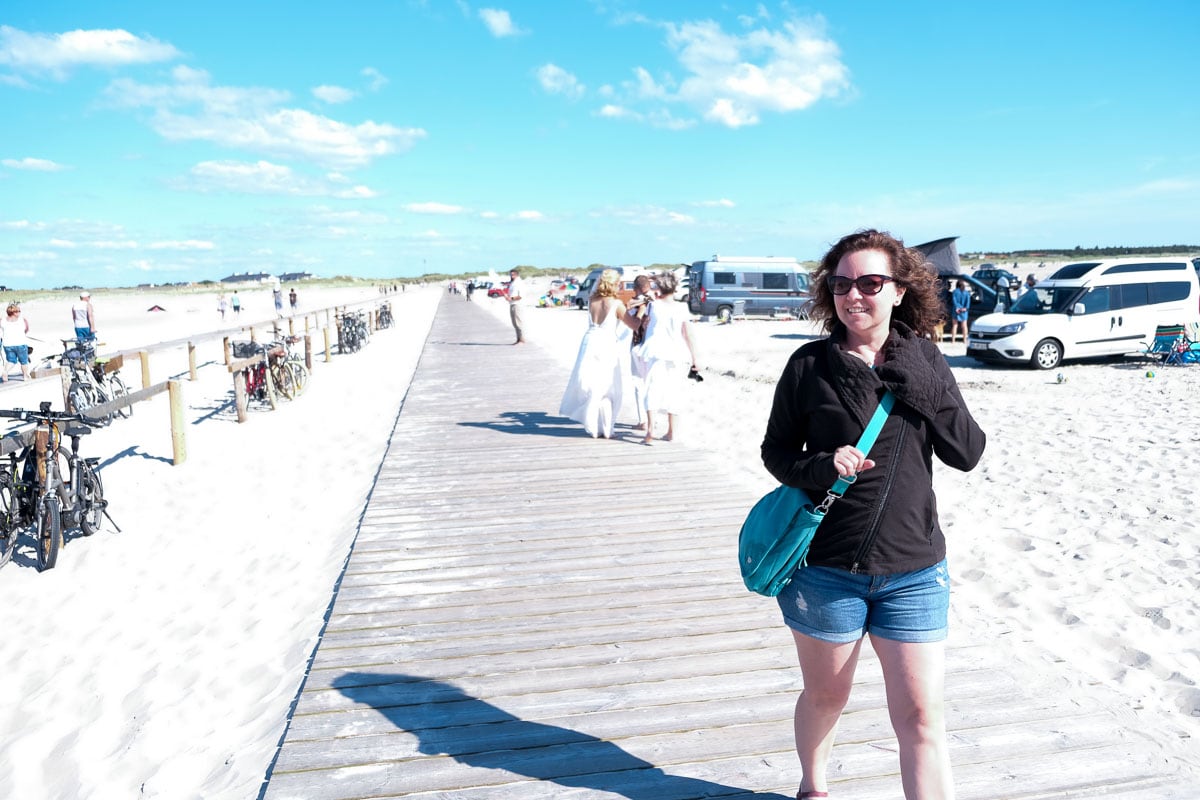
(43,414)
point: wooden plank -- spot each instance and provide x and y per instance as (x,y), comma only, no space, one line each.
(515,620)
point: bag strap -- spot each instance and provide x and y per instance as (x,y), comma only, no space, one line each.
(865,442)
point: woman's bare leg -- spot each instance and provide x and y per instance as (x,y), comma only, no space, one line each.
(914,676)
(828,671)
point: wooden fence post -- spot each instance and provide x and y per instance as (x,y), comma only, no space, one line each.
(144,355)
(328,346)
(291,326)
(191,361)
(240,401)
(178,430)
(65,375)
(307,351)
(225,346)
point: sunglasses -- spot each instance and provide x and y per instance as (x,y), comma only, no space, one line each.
(866,284)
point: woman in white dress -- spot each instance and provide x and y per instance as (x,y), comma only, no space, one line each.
(668,352)
(595,391)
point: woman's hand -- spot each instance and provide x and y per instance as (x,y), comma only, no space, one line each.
(849,460)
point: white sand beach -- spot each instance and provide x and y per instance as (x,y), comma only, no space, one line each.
(161,661)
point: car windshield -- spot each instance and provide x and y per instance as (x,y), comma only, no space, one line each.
(1046,300)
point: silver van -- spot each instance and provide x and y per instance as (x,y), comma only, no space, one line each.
(725,285)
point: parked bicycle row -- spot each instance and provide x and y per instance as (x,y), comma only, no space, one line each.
(46,490)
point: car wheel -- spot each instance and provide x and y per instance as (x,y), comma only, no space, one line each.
(725,313)
(1047,354)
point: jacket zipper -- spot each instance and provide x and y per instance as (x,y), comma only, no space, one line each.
(873,530)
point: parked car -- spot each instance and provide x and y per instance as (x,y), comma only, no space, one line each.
(1094,308)
(499,291)
(990,274)
(983,297)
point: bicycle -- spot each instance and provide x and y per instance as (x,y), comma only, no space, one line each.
(94,381)
(44,497)
(353,333)
(384,318)
(285,360)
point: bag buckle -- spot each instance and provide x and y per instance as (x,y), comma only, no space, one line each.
(835,493)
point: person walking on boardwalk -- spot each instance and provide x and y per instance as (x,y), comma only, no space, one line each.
(596,387)
(877,565)
(236,303)
(14,333)
(83,316)
(636,317)
(668,352)
(515,287)
(293,299)
(222,304)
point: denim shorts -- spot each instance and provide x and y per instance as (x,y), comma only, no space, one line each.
(17,353)
(837,606)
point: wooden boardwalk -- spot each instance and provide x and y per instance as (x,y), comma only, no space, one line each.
(529,613)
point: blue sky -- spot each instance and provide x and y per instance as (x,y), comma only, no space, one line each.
(159,142)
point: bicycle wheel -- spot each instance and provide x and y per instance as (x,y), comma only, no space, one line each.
(282,377)
(80,397)
(49,533)
(116,387)
(8,516)
(91,499)
(299,375)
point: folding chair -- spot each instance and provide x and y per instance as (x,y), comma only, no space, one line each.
(1163,346)
(1183,351)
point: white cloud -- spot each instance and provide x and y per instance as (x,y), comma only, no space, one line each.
(32,164)
(122,244)
(722,203)
(264,177)
(499,22)
(56,54)
(22,225)
(376,78)
(191,108)
(556,80)
(65,244)
(187,244)
(532,216)
(333,94)
(433,208)
(733,79)
(489,215)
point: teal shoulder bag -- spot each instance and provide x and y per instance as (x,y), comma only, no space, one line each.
(775,537)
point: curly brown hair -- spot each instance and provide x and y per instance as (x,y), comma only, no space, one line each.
(921,308)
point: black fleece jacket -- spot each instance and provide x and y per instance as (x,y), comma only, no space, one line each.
(887,522)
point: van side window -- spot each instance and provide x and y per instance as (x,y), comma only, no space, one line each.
(776,280)
(1132,295)
(724,279)
(1169,292)
(802,280)
(1096,300)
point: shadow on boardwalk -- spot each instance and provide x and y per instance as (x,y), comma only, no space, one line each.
(447,721)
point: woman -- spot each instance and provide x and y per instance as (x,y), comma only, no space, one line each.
(877,565)
(961,297)
(14,330)
(636,317)
(595,389)
(667,351)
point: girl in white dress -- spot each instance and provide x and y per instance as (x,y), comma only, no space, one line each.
(595,390)
(668,352)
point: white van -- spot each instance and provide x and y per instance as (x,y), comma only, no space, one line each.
(1092,308)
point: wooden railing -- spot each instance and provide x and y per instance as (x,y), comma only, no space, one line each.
(21,438)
